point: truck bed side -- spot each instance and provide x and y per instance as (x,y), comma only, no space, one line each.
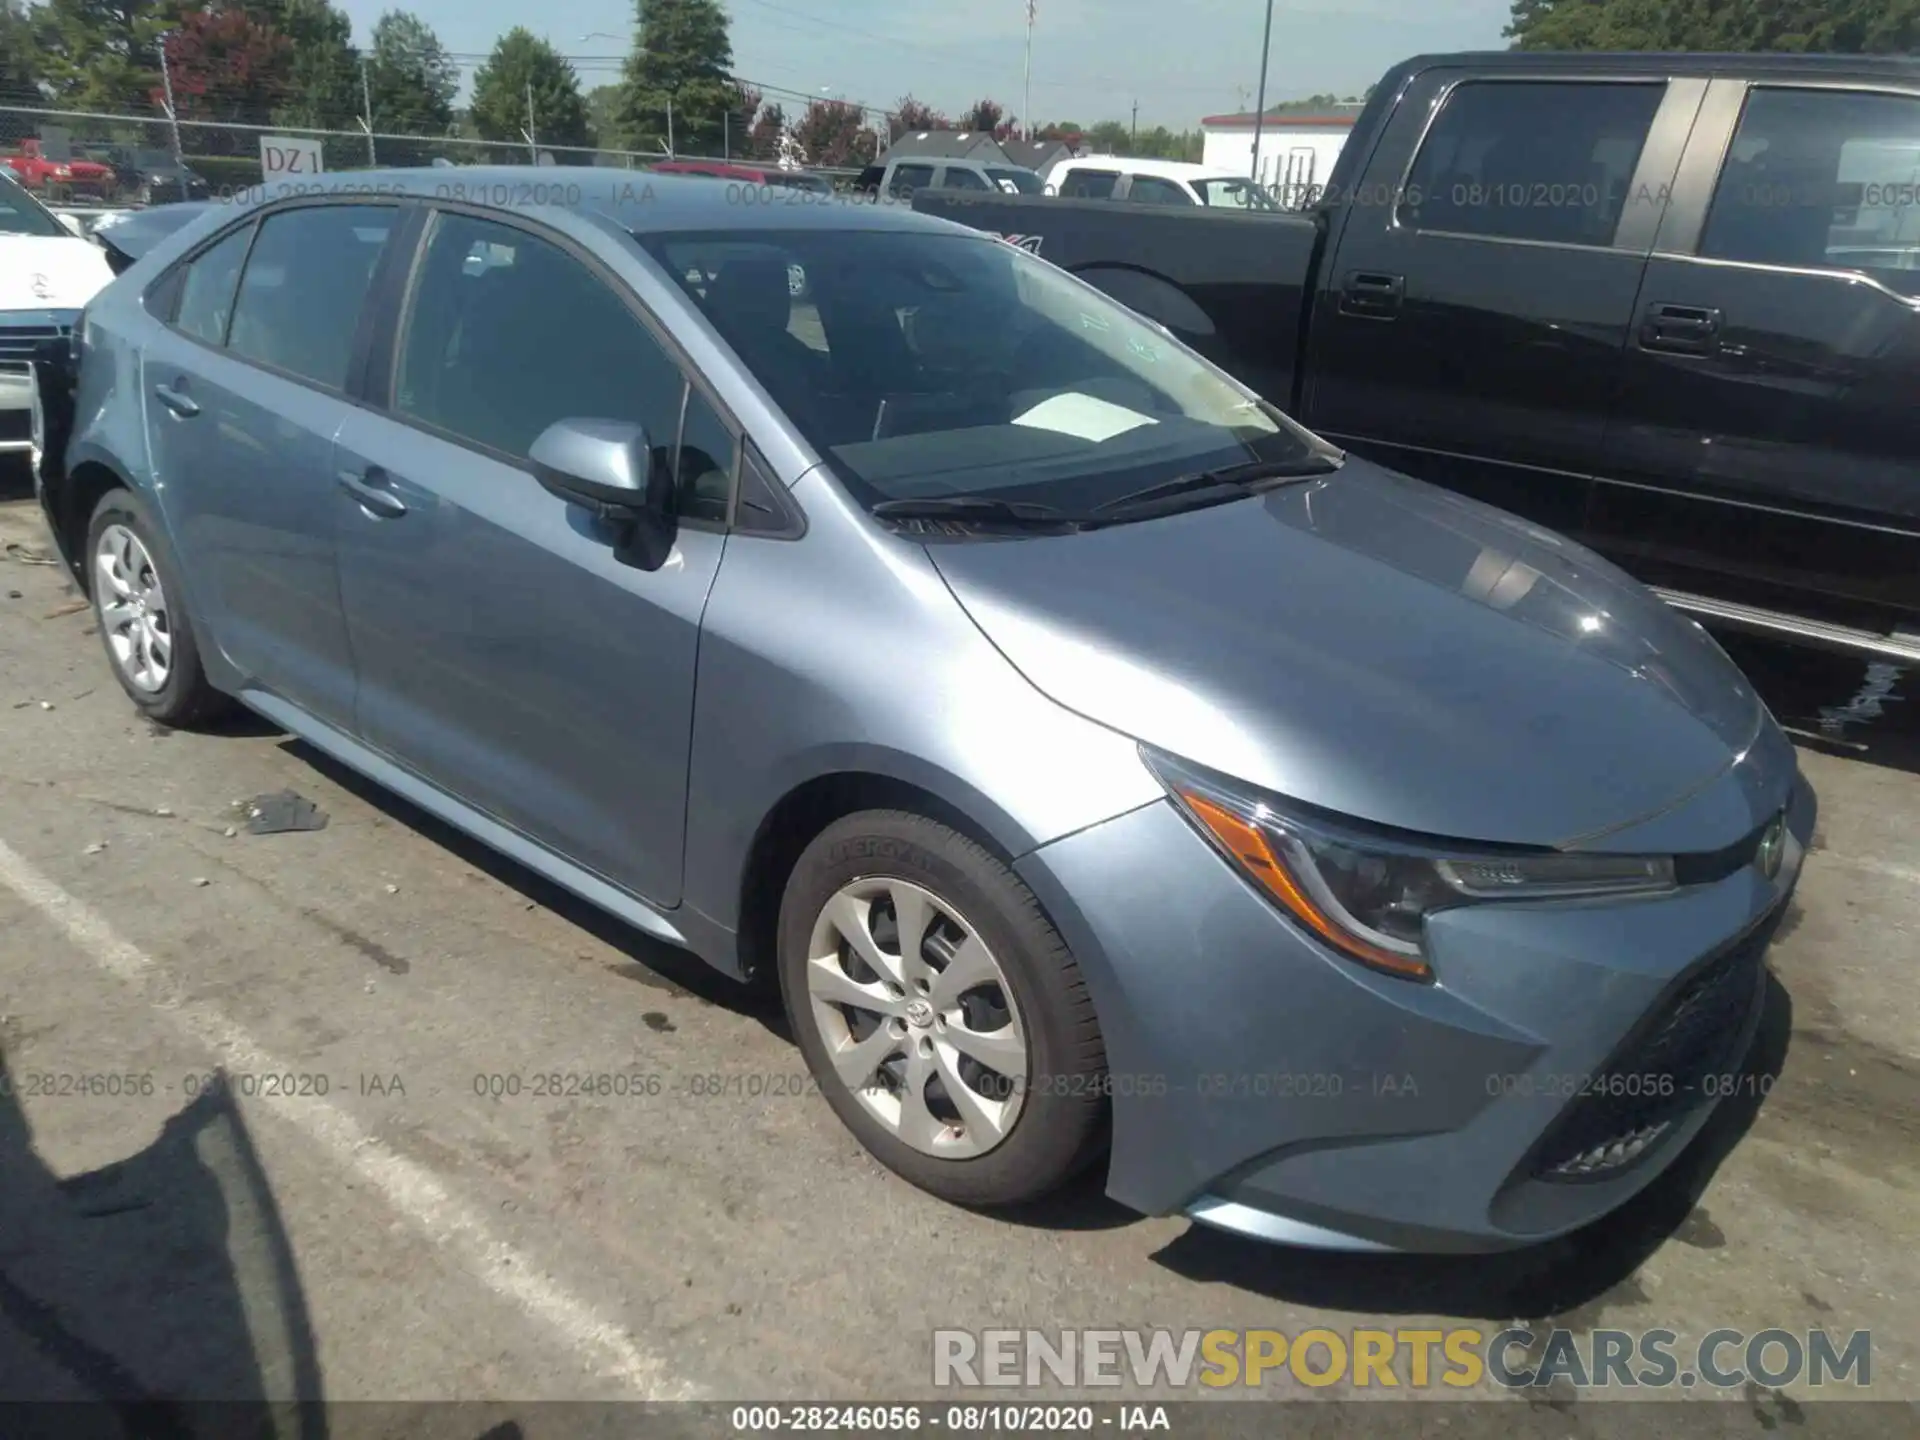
(1232,285)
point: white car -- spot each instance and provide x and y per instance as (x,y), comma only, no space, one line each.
(1154,182)
(47,275)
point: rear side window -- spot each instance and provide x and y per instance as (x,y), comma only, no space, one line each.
(305,283)
(1525,160)
(1089,184)
(960,178)
(1151,190)
(1823,179)
(206,289)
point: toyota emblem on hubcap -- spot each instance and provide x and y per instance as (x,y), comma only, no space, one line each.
(920,1014)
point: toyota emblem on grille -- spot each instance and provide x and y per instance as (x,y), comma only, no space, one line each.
(1773,848)
(42,286)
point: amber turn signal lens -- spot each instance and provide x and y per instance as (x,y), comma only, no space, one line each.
(1254,852)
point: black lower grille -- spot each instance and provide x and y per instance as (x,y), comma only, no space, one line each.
(1666,1069)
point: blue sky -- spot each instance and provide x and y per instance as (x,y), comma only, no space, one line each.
(1092,59)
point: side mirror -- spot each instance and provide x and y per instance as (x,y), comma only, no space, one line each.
(607,468)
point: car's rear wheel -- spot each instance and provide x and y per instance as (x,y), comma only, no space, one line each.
(142,618)
(943,1016)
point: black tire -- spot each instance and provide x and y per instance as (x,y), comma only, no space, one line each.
(1062,1124)
(187,698)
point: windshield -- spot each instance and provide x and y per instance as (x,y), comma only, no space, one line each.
(1024,182)
(1234,193)
(21,214)
(925,365)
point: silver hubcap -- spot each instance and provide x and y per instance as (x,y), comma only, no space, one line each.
(133,609)
(918,1018)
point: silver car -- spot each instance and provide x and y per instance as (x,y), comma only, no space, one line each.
(1106,769)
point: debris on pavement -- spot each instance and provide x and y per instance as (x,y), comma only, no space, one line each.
(281,812)
(165,812)
(14,595)
(96,847)
(201,880)
(28,555)
(229,832)
(393,889)
(46,705)
(72,607)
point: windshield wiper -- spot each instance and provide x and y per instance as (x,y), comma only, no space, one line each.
(1231,477)
(977,507)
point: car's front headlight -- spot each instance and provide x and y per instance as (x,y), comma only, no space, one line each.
(1368,892)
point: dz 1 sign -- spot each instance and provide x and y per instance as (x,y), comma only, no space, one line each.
(282,156)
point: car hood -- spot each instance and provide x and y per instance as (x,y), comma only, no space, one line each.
(1378,647)
(50,272)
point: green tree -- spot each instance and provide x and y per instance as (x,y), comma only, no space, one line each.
(322,87)
(1838,26)
(525,68)
(1111,137)
(681,66)
(411,83)
(603,109)
(101,54)
(20,59)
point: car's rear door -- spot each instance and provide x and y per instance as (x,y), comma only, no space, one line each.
(1766,448)
(1470,324)
(510,650)
(245,388)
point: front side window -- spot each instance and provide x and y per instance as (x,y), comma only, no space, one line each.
(1232,193)
(206,291)
(21,214)
(1089,184)
(306,281)
(946,364)
(1822,179)
(1152,190)
(1017,182)
(909,178)
(509,334)
(1531,160)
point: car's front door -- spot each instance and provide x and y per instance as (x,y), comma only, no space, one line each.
(1472,320)
(245,389)
(510,650)
(1766,447)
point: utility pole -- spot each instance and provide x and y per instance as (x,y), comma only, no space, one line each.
(1026,104)
(366,99)
(669,127)
(173,116)
(1136,125)
(1260,106)
(533,141)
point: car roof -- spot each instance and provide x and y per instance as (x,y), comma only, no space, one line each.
(640,201)
(1166,169)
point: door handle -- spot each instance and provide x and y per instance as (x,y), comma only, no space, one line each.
(369,487)
(1680,329)
(1372,293)
(178,401)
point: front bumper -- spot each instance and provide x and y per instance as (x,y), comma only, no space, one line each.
(31,342)
(1265,1085)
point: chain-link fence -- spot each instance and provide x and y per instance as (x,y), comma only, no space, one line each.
(88,158)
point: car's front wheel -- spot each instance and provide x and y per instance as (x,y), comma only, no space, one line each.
(142,617)
(941,1013)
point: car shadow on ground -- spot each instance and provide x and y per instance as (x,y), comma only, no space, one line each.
(1571,1281)
(156,1296)
(652,963)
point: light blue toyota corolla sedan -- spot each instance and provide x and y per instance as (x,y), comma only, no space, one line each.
(1109,770)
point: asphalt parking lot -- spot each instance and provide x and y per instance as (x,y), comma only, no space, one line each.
(430,1227)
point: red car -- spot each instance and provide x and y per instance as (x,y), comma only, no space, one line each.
(37,172)
(747,174)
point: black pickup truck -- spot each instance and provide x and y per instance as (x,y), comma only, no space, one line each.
(1666,304)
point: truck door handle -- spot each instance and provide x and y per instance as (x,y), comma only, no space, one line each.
(1371,293)
(369,487)
(178,401)
(1680,329)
